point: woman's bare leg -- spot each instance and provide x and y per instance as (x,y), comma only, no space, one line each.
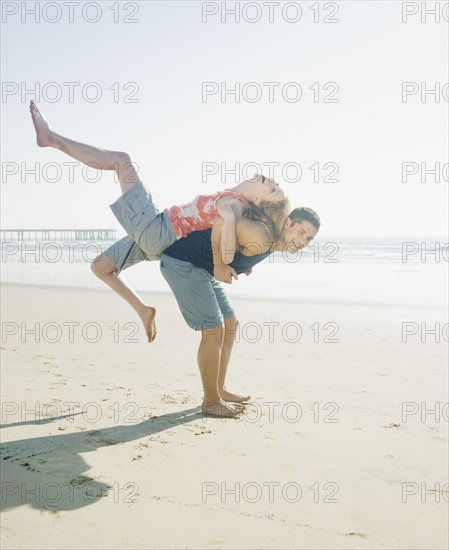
(103,267)
(101,159)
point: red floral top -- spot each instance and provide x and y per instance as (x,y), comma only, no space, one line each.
(198,214)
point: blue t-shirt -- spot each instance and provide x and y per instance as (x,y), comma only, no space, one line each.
(196,248)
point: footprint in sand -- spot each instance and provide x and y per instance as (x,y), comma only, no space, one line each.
(80,480)
(57,385)
(50,362)
(197,429)
(177,398)
(156,439)
(27,466)
(168,399)
(119,389)
(104,441)
(355,534)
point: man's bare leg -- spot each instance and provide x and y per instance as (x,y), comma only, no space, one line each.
(209,353)
(103,267)
(231,325)
(101,159)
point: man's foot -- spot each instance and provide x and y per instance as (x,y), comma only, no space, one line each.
(220,408)
(148,317)
(44,136)
(233,397)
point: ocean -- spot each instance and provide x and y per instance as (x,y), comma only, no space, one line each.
(400,272)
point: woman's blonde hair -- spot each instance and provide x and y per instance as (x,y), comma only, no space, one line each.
(272,215)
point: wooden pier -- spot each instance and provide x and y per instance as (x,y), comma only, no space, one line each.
(57,235)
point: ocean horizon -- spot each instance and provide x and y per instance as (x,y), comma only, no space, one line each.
(391,271)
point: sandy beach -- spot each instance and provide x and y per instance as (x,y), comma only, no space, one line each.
(104,445)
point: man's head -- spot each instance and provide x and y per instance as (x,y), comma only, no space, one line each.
(300,228)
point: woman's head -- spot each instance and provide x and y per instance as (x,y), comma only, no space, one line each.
(273,215)
(262,191)
(287,231)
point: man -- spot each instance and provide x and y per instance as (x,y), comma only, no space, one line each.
(188,267)
(202,301)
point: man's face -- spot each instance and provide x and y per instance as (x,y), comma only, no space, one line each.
(267,189)
(298,235)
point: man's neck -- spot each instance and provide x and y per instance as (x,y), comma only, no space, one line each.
(279,247)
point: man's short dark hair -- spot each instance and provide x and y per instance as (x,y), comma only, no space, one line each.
(305,214)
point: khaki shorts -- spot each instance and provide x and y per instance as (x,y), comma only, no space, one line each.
(150,229)
(201,298)
(125,253)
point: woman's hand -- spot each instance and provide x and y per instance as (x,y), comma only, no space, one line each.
(225,273)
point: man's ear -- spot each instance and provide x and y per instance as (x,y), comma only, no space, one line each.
(288,223)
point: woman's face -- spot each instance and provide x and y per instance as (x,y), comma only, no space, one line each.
(267,189)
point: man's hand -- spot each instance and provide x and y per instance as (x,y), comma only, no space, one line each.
(250,270)
(225,273)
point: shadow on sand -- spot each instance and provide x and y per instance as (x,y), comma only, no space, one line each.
(46,472)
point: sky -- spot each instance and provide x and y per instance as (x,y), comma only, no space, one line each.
(337,116)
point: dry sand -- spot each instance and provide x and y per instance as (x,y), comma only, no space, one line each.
(104,445)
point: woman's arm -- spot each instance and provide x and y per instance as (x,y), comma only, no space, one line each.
(222,271)
(252,237)
(230,210)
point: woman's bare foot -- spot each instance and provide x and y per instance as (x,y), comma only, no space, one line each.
(44,136)
(220,408)
(233,397)
(148,316)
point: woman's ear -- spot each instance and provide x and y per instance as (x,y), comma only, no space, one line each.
(256,201)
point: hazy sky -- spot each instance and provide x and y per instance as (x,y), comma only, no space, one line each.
(172,131)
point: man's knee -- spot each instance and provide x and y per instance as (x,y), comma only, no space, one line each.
(231,327)
(231,323)
(213,335)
